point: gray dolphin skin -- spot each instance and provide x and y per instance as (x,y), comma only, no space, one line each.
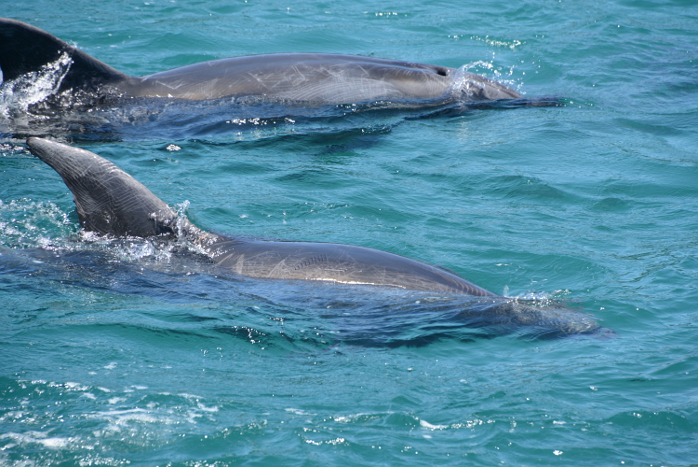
(111,202)
(293,78)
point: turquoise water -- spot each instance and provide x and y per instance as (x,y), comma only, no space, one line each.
(126,353)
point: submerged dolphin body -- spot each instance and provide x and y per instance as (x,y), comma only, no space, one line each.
(294,78)
(111,202)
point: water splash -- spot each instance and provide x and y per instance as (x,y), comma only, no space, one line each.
(467,79)
(16,96)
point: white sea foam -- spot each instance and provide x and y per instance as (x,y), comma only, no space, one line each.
(17,95)
(37,437)
(426,425)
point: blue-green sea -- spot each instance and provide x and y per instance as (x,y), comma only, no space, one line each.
(126,353)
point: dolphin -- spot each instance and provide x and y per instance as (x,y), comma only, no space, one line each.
(292,78)
(111,202)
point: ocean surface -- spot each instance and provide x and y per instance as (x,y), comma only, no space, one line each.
(127,353)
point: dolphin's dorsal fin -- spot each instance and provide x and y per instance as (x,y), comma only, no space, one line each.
(109,201)
(25,49)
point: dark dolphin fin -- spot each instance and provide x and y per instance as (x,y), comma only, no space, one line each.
(108,200)
(25,49)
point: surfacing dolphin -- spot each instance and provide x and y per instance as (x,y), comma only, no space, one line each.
(111,202)
(293,78)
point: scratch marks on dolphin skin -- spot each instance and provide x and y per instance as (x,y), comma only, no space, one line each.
(239,264)
(323,258)
(279,270)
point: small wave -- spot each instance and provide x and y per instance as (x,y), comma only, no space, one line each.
(30,224)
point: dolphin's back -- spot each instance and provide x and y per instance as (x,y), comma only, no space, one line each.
(300,77)
(318,78)
(347,264)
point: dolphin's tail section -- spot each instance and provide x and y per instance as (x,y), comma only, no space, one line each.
(108,200)
(26,49)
